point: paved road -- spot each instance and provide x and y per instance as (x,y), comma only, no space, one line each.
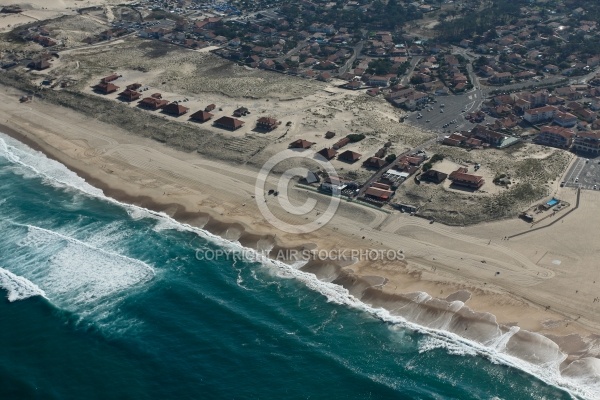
(348,65)
(301,44)
(584,173)
(584,78)
(550,80)
(411,69)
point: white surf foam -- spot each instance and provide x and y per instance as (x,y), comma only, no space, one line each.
(500,342)
(56,174)
(77,273)
(17,287)
(547,372)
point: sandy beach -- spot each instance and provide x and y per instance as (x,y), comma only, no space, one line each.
(478,284)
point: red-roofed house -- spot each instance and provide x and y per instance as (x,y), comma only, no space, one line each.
(378,193)
(201,116)
(152,103)
(129,95)
(349,156)
(374,162)
(229,123)
(301,144)
(341,143)
(488,136)
(555,136)
(461,177)
(566,120)
(328,154)
(109,78)
(587,142)
(106,88)
(175,109)
(540,114)
(267,123)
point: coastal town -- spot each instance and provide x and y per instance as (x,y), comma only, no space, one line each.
(464,136)
(516,84)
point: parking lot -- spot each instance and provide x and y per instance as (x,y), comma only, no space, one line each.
(584,173)
(453,112)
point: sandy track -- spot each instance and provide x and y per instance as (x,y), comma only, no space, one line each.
(439,259)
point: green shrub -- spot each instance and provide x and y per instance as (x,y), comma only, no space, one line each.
(356,137)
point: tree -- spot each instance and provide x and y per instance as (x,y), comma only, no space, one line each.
(390,158)
(381,66)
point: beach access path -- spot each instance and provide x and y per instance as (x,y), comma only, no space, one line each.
(516,280)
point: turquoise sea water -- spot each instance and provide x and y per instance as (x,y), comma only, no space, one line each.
(108,301)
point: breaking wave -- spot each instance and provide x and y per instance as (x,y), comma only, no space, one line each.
(441,322)
(17,287)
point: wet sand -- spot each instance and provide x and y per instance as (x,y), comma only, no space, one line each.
(444,267)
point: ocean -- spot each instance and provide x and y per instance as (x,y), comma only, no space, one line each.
(104,300)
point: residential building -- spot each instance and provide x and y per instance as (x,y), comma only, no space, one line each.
(540,114)
(109,78)
(106,88)
(379,194)
(379,81)
(461,177)
(229,123)
(566,120)
(267,123)
(301,144)
(488,136)
(241,112)
(501,77)
(201,116)
(587,142)
(129,95)
(152,103)
(328,154)
(374,162)
(555,136)
(433,176)
(455,139)
(333,184)
(175,109)
(341,143)
(349,156)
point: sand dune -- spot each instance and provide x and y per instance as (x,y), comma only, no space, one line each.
(493,284)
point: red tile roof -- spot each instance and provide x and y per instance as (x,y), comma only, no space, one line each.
(229,123)
(175,109)
(201,116)
(327,153)
(349,156)
(380,194)
(301,144)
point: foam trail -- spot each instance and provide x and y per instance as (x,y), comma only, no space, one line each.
(18,288)
(53,171)
(547,372)
(500,342)
(79,273)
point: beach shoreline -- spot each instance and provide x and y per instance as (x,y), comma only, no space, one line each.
(221,203)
